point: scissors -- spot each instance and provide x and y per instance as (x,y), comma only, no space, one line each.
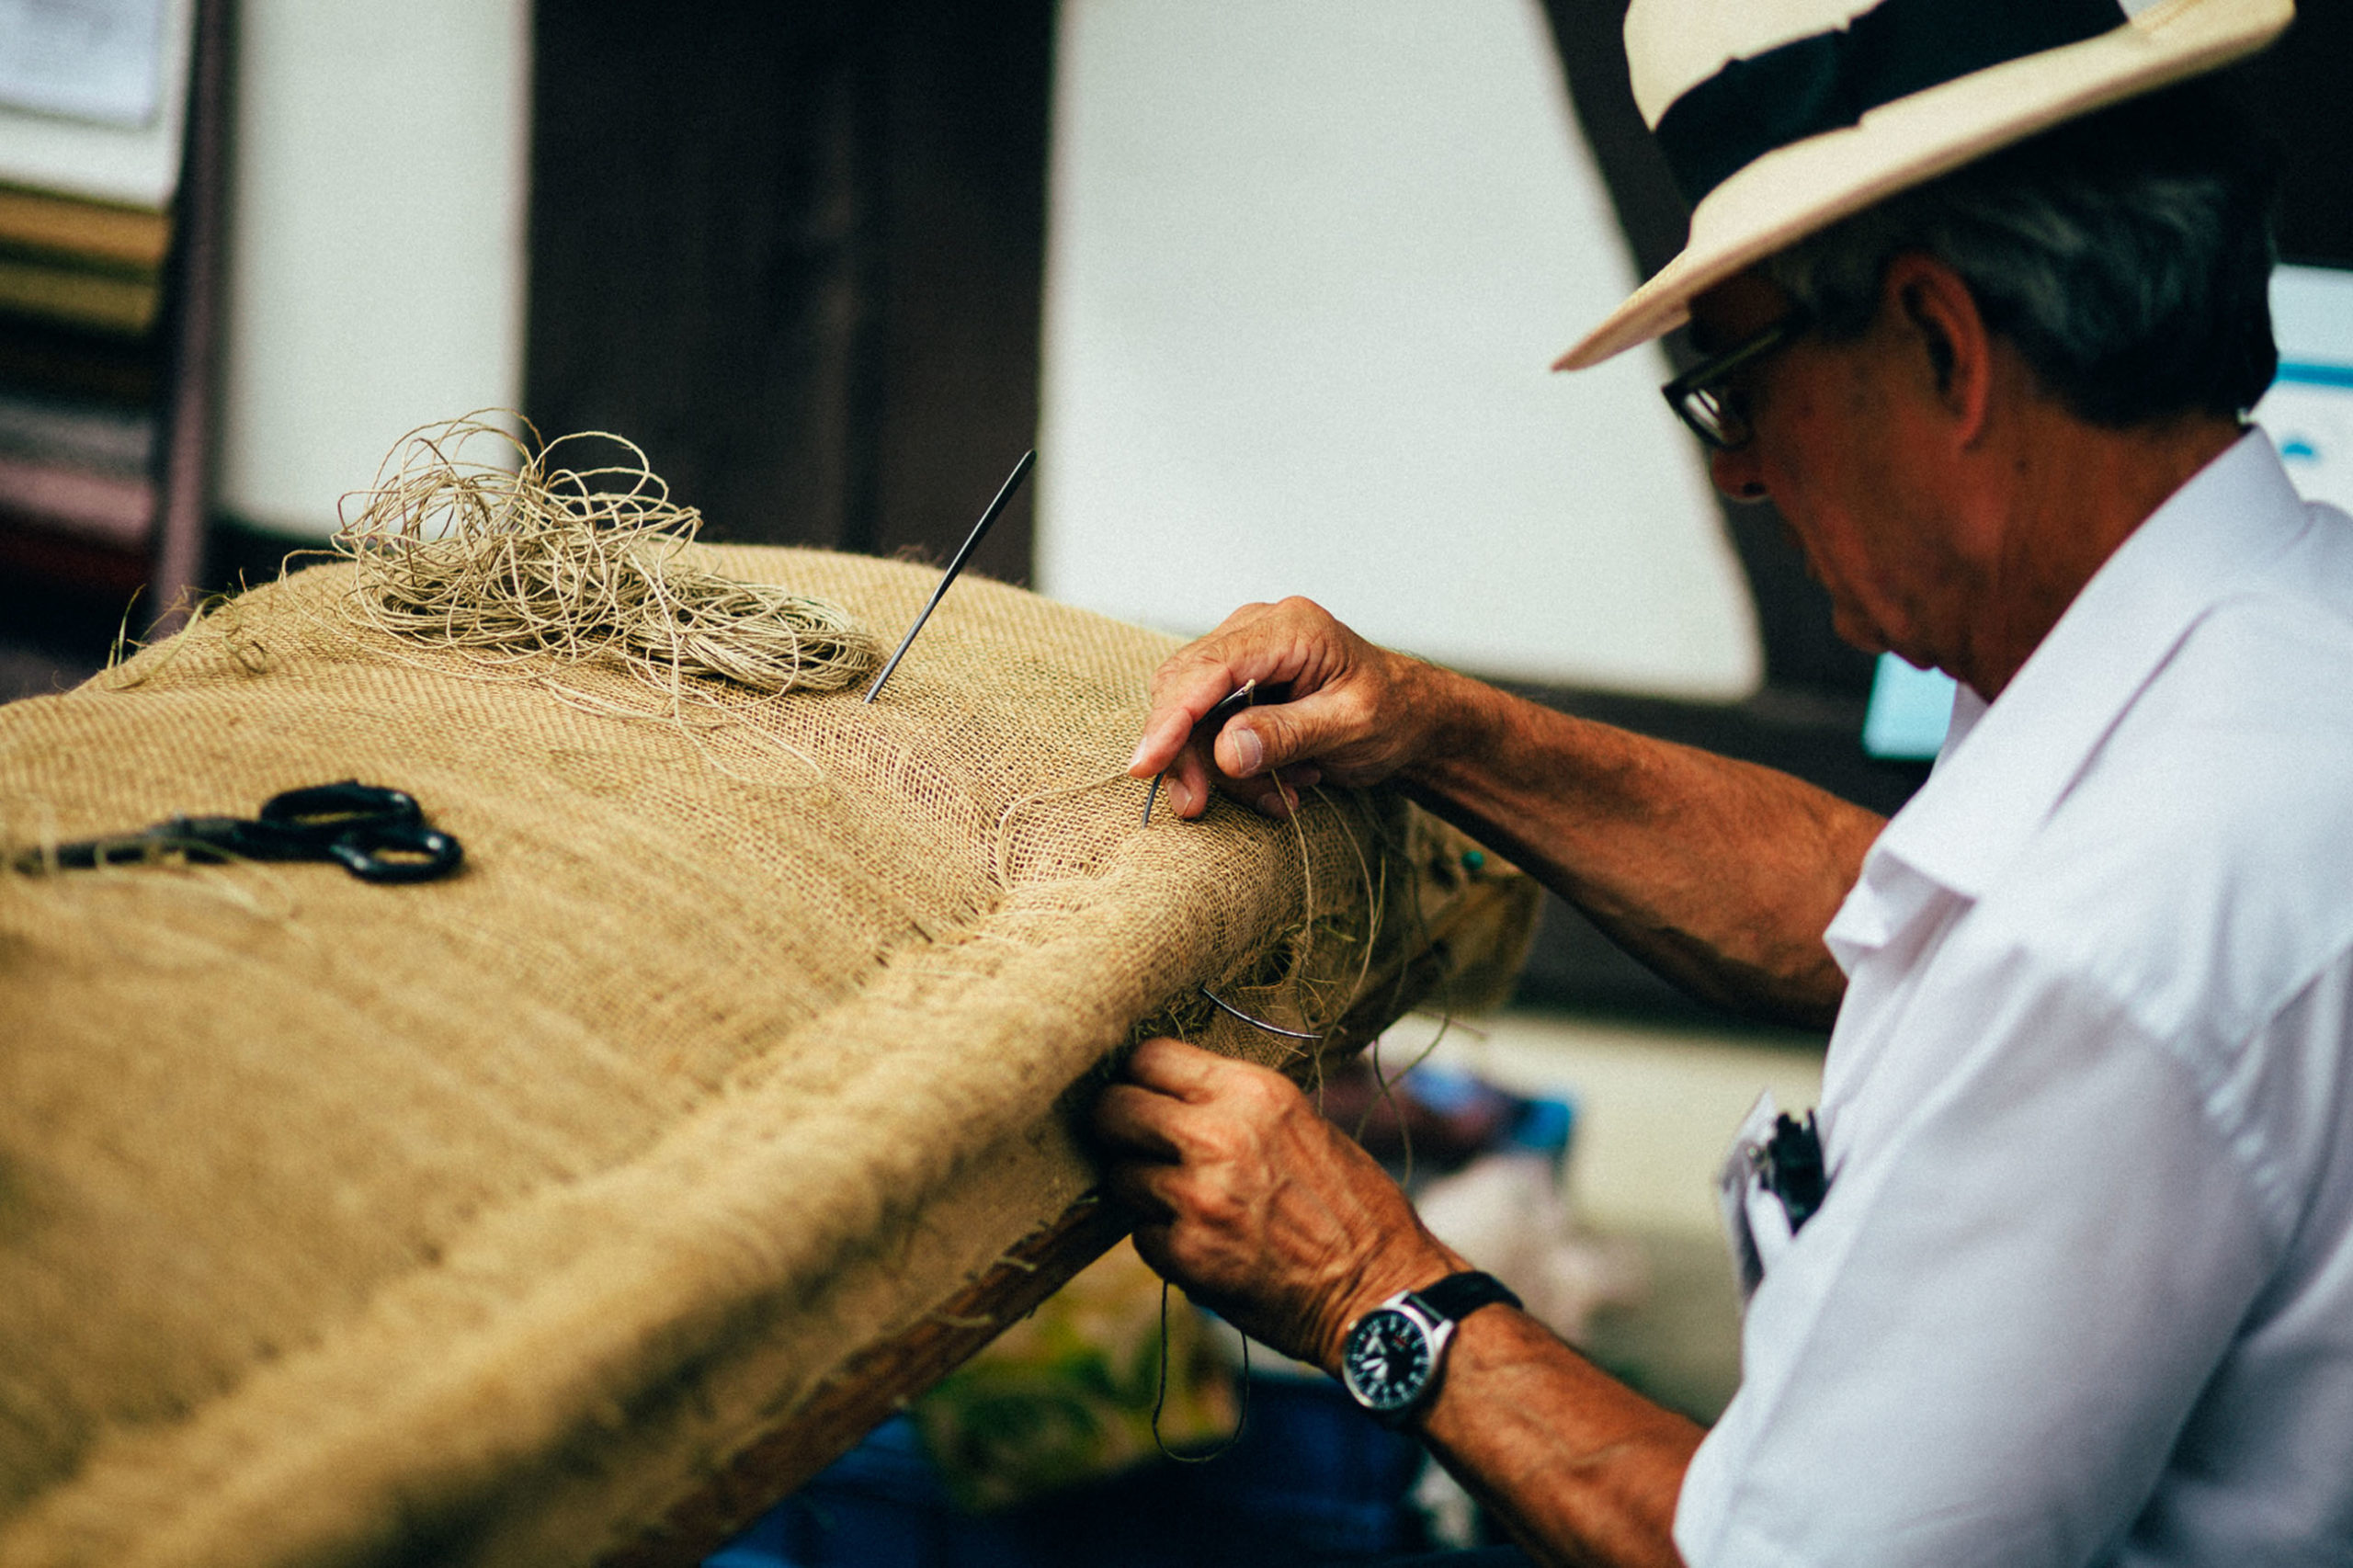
(377,834)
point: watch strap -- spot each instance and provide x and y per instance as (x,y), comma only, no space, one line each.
(1457,1296)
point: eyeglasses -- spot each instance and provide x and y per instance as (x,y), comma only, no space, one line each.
(1717,413)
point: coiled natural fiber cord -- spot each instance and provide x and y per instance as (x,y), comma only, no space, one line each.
(503,564)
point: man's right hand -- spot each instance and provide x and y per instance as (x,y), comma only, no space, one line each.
(1331,706)
(1720,875)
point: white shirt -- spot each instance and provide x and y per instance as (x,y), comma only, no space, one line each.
(2082,1290)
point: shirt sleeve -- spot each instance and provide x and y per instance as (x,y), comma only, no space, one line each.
(1982,1346)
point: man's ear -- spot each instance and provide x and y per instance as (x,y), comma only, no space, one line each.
(1939,320)
(1932,337)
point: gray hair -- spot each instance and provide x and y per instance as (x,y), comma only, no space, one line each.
(2126,255)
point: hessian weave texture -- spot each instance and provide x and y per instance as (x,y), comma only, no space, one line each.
(475,1220)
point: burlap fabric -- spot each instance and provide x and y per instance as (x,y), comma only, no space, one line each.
(476,1220)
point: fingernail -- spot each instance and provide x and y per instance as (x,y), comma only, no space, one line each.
(1248,751)
(1137,761)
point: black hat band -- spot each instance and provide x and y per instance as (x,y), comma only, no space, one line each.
(1831,80)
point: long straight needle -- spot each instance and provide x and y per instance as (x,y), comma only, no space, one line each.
(1012,483)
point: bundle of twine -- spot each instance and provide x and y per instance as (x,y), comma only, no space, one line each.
(510,559)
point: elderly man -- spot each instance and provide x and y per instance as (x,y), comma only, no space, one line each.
(1983,286)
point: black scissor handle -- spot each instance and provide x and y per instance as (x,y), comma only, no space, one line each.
(330,807)
(396,852)
(377,834)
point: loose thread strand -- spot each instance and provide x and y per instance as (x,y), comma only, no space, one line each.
(1160,1397)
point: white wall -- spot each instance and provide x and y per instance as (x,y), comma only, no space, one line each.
(1307,264)
(376,232)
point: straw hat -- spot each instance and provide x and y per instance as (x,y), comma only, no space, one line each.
(1781,117)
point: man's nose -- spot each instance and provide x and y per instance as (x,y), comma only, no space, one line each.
(1737,473)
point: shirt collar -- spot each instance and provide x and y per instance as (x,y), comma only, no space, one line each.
(2000,777)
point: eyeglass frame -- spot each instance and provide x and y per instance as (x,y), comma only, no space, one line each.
(1707,378)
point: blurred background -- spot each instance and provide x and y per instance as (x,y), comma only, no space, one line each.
(1272,285)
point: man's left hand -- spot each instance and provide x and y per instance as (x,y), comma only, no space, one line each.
(1254,1203)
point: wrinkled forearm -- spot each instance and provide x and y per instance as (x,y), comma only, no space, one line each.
(1582,1469)
(1720,875)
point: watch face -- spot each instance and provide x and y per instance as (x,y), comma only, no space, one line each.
(1387,1360)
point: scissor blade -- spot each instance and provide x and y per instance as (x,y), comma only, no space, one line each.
(86,854)
(118,849)
(980,530)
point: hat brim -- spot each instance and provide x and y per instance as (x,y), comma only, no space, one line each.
(1792,192)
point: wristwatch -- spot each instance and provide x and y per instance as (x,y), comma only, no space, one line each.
(1395,1353)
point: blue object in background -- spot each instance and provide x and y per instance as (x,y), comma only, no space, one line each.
(2309,410)
(1546,1127)
(2312,317)
(1313,1481)
(1909,712)
(1450,1091)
